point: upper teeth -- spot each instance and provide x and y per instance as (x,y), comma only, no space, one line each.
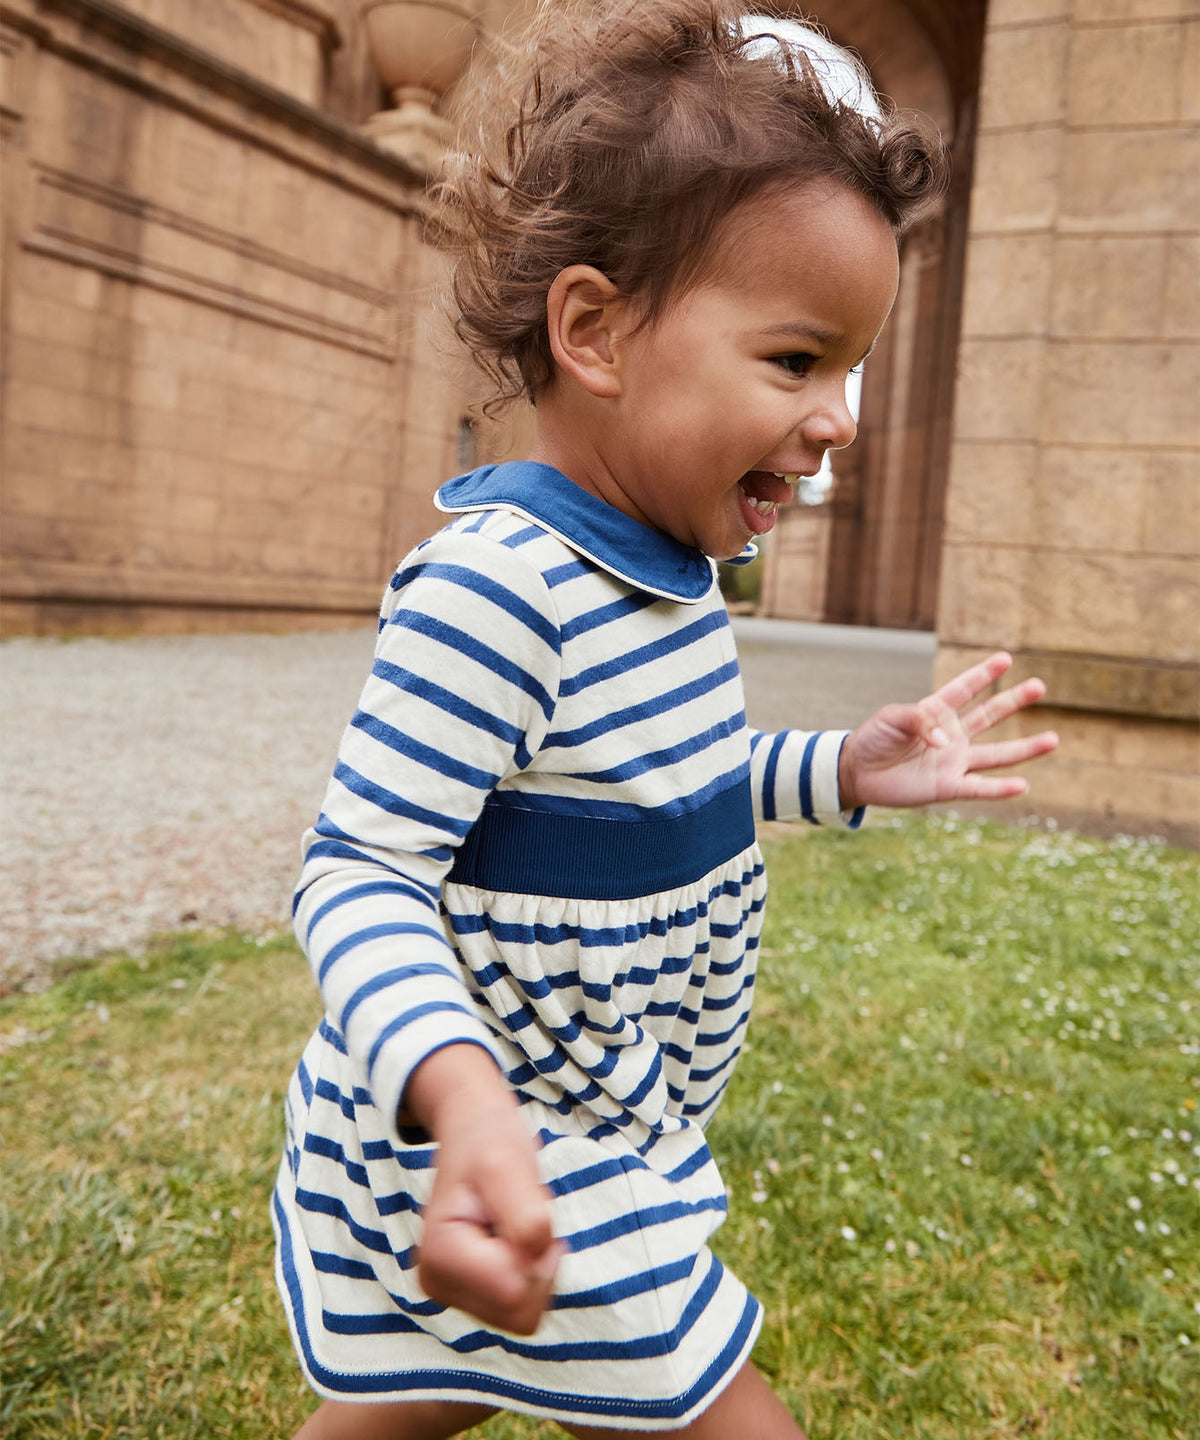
(790,478)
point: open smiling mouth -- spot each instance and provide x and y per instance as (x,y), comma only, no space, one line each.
(763,492)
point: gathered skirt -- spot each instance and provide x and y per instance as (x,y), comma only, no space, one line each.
(618,1024)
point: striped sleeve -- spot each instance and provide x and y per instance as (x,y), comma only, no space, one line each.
(460,695)
(794,776)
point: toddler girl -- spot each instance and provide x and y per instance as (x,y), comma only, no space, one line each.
(533,898)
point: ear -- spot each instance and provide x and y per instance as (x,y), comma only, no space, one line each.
(585,313)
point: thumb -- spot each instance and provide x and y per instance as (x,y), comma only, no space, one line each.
(931,722)
(520,1214)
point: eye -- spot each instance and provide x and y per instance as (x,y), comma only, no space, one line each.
(795,363)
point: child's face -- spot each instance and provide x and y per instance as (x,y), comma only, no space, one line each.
(743,378)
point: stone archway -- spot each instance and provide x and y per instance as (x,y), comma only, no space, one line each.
(871,555)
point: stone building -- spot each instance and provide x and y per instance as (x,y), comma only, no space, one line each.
(226,405)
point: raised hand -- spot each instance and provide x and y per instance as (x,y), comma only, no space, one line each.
(924,753)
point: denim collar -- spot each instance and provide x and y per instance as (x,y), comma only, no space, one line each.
(638,554)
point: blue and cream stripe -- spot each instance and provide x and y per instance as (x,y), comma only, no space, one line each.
(539,839)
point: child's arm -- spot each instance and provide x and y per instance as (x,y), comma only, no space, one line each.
(487,1246)
(925,753)
(461,694)
(794,776)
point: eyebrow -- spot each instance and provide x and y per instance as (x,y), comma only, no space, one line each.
(803,331)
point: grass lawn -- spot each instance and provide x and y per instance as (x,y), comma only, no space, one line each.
(962,1147)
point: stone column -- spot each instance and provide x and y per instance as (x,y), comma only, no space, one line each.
(899,468)
(795,562)
(1073,517)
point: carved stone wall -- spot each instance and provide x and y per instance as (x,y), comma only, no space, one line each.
(284,43)
(223,405)
(1073,528)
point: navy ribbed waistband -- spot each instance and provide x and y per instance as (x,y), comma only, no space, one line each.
(580,857)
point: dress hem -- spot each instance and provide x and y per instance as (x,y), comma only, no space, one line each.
(616,1412)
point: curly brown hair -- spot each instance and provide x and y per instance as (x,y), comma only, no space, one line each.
(620,134)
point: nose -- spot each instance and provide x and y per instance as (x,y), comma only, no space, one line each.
(829,423)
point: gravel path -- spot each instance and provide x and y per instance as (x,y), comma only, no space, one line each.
(156,784)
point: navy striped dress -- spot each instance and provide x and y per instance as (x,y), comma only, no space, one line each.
(538,838)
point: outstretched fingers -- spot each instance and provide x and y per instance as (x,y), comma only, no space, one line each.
(926,753)
(999,756)
(1002,753)
(986,787)
(1001,706)
(970,684)
(959,692)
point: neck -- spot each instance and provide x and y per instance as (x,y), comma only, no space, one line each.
(569,436)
